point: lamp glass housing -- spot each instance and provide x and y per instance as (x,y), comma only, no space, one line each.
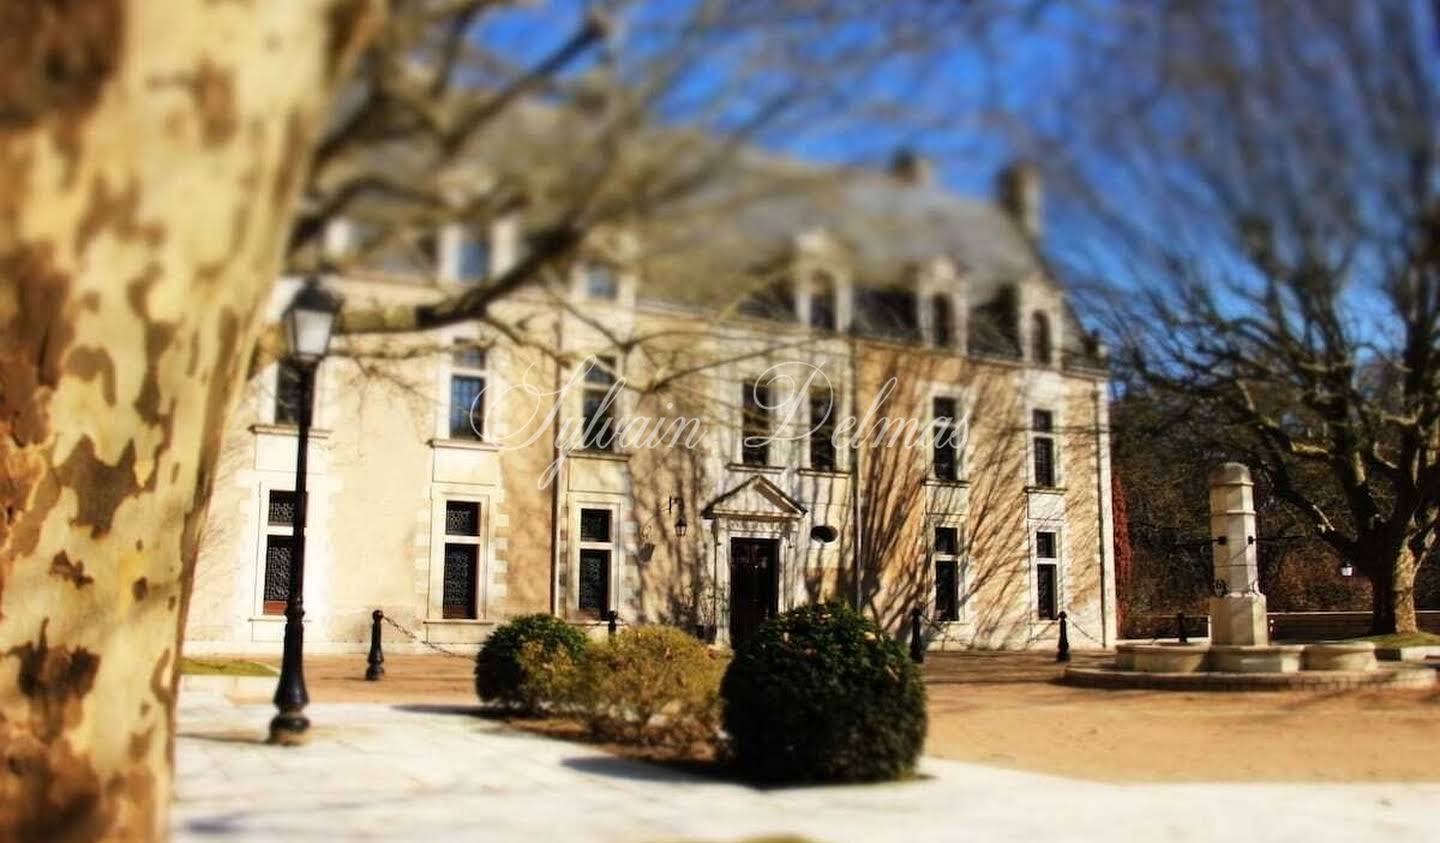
(310,321)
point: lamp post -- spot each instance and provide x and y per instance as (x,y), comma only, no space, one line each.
(308,322)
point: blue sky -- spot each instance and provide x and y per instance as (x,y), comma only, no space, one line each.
(965,88)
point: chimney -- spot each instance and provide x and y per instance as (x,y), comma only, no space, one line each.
(1018,191)
(911,168)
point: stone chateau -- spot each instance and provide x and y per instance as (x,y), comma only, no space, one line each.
(870,391)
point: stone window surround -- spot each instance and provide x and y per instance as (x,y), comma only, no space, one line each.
(961,557)
(1036,526)
(839,409)
(616,505)
(618,407)
(266,530)
(434,608)
(271,381)
(494,381)
(962,425)
(1056,425)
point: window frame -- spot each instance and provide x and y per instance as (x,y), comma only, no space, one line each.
(824,288)
(1042,339)
(581,544)
(823,432)
(1055,562)
(958,559)
(957,425)
(474,541)
(457,370)
(588,271)
(477,236)
(750,393)
(1038,435)
(266,531)
(609,408)
(942,331)
(441,496)
(284,383)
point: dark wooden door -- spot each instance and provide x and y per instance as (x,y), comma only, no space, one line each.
(754,580)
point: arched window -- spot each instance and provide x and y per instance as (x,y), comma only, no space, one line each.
(1041,347)
(942,320)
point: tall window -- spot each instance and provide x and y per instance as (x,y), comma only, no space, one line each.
(822,302)
(1042,426)
(822,430)
(946,554)
(462,560)
(601,281)
(1047,580)
(475,258)
(755,423)
(597,548)
(945,427)
(598,433)
(279,551)
(467,392)
(942,320)
(288,393)
(1040,345)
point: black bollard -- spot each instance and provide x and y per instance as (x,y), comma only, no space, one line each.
(1062,653)
(376,659)
(614,618)
(917,646)
(1180,623)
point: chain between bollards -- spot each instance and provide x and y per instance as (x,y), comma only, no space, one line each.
(1062,653)
(376,659)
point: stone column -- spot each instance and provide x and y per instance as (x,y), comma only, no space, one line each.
(1237,616)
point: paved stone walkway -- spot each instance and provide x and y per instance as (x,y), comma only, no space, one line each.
(376,772)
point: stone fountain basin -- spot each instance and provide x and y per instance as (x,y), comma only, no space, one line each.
(1174,657)
(1347,655)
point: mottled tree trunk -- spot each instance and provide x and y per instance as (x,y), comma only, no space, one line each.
(1392,593)
(150,155)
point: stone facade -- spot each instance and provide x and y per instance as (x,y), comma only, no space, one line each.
(1028,501)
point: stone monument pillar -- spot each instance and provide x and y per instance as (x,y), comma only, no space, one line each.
(1237,612)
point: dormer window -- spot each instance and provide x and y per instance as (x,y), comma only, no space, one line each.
(823,302)
(1041,347)
(942,321)
(474,258)
(602,282)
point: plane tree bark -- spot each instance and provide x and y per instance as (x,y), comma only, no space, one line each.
(150,159)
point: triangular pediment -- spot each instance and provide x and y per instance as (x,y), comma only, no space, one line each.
(756,498)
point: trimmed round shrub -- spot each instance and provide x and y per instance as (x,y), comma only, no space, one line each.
(822,694)
(653,685)
(517,666)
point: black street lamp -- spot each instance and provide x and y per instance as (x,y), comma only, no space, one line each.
(308,323)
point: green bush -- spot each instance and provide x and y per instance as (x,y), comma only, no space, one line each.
(823,694)
(518,665)
(652,685)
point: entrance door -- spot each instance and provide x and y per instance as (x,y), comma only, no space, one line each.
(754,580)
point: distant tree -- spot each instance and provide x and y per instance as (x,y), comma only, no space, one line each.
(1259,185)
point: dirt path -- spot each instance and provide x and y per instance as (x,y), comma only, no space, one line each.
(1003,709)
